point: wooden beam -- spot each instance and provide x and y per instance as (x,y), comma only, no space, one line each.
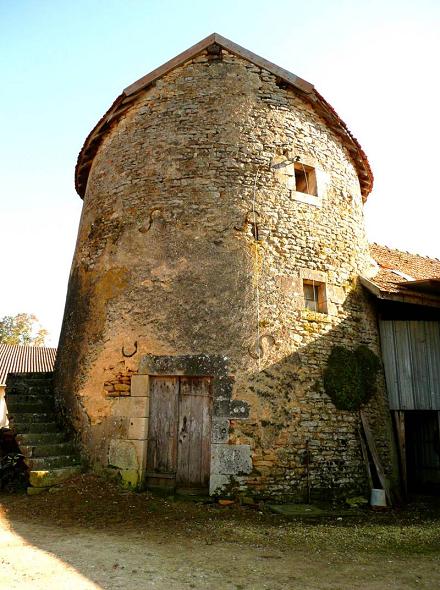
(399,422)
(375,456)
(365,458)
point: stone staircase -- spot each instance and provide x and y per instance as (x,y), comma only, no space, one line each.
(49,454)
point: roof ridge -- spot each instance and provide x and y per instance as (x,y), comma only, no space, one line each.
(405,252)
(306,89)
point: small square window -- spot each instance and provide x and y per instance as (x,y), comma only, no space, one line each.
(305,179)
(315,296)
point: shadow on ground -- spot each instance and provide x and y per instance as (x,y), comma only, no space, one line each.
(89,534)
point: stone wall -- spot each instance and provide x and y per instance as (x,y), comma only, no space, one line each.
(167,264)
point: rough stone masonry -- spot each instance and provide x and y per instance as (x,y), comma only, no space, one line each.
(193,250)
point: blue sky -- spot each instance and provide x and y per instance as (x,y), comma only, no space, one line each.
(63,63)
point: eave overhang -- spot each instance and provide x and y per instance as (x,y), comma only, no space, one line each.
(306,90)
(430,286)
(413,297)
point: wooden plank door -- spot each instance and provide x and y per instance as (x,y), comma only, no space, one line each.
(194,436)
(162,432)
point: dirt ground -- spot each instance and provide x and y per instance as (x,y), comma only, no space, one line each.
(89,534)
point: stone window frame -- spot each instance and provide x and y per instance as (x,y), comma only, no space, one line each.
(305,173)
(319,177)
(285,166)
(318,278)
(319,302)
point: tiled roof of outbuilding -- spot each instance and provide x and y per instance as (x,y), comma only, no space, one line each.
(404,277)
(25,359)
(414,266)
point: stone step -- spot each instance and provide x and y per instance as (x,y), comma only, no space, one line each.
(48,450)
(36,404)
(36,427)
(31,417)
(38,389)
(26,398)
(45,478)
(40,438)
(49,463)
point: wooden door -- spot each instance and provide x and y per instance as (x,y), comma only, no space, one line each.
(179,439)
(162,432)
(194,437)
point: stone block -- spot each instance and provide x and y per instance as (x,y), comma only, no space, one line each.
(122,387)
(239,409)
(332,309)
(137,428)
(313,275)
(118,393)
(140,385)
(230,459)
(218,483)
(220,430)
(131,407)
(52,477)
(123,454)
(336,294)
(140,447)
(221,407)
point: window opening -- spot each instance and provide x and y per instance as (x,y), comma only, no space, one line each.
(305,179)
(314,296)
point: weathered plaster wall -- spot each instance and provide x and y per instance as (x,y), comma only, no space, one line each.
(166,264)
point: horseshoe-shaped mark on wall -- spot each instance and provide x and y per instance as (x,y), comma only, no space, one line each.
(128,355)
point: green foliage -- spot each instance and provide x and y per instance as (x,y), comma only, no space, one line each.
(350,376)
(342,379)
(369,364)
(22,329)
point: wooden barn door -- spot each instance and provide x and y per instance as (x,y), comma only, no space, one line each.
(179,441)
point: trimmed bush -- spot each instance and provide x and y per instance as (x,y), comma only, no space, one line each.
(350,377)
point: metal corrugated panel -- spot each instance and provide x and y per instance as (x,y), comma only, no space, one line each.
(25,359)
(411,355)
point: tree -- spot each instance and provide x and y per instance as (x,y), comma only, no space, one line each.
(22,329)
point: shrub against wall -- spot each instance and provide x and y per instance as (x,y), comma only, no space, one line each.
(350,376)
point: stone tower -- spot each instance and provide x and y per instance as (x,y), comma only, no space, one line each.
(216,265)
